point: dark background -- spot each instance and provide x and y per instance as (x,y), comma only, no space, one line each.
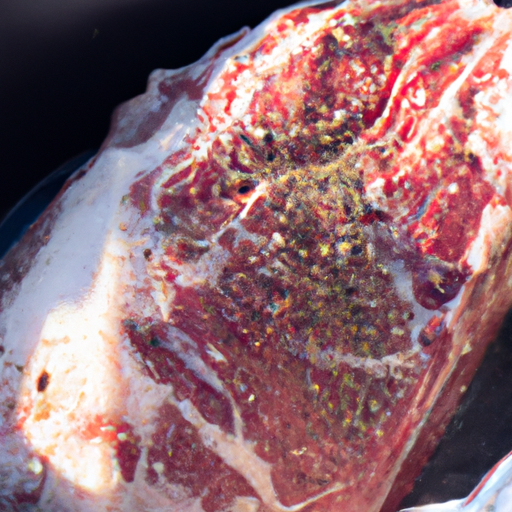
(65,65)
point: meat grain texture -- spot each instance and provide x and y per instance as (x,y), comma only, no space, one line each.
(270,288)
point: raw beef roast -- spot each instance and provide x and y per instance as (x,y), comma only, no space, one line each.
(269,289)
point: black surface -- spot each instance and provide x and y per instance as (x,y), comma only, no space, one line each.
(65,65)
(480,433)
(506,4)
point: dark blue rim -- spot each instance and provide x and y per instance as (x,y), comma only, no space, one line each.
(28,209)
